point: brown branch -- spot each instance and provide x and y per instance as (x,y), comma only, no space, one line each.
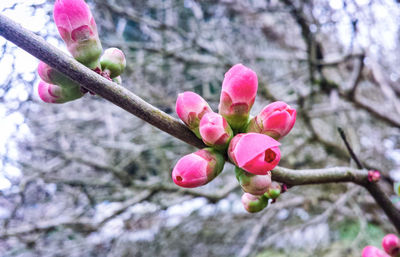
(114,93)
(137,106)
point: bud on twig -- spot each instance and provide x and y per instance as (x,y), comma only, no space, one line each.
(113,62)
(198,168)
(253,203)
(391,245)
(273,191)
(50,93)
(215,131)
(275,120)
(374,176)
(239,90)
(78,29)
(190,108)
(372,251)
(255,153)
(253,184)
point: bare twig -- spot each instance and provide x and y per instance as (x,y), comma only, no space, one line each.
(351,152)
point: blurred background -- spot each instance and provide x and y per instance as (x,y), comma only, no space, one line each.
(87,178)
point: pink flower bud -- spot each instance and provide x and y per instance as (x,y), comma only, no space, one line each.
(273,191)
(198,168)
(372,251)
(50,93)
(215,131)
(52,76)
(239,90)
(44,71)
(275,120)
(190,108)
(255,153)
(374,176)
(113,62)
(78,29)
(253,203)
(253,184)
(391,244)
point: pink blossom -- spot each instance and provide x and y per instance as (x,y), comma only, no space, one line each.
(391,244)
(372,251)
(253,184)
(275,120)
(198,168)
(78,29)
(190,108)
(239,90)
(255,153)
(215,131)
(254,203)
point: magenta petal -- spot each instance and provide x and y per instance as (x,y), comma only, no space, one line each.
(213,127)
(189,103)
(278,121)
(391,244)
(251,145)
(71,14)
(259,166)
(47,92)
(190,171)
(240,83)
(372,251)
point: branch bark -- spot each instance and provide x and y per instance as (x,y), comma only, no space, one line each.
(137,106)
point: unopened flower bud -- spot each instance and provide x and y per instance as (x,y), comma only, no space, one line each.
(255,153)
(190,108)
(391,245)
(215,131)
(50,93)
(239,90)
(254,203)
(275,120)
(273,191)
(113,62)
(253,184)
(78,29)
(52,76)
(374,176)
(372,251)
(198,168)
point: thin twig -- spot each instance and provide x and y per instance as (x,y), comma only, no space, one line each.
(349,149)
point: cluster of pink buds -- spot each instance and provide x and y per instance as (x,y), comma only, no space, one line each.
(78,29)
(390,245)
(250,143)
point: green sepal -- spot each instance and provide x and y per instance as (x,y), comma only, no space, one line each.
(258,205)
(88,53)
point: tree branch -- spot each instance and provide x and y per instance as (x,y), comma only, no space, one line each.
(109,90)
